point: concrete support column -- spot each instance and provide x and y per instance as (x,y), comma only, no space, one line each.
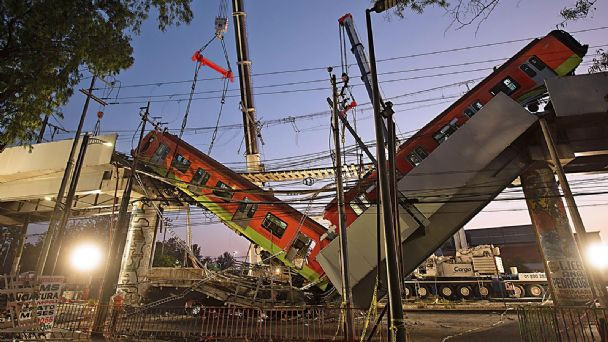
(565,270)
(137,257)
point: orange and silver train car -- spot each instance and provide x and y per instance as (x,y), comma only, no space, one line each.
(296,239)
(290,236)
(522,78)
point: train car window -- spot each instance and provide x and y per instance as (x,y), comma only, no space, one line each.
(364,202)
(180,163)
(477,105)
(247,207)
(300,248)
(537,63)
(414,159)
(507,86)
(147,144)
(356,207)
(528,70)
(469,112)
(417,156)
(511,85)
(200,177)
(274,225)
(438,137)
(252,209)
(446,131)
(421,152)
(161,153)
(223,191)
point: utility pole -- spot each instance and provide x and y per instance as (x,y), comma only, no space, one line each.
(244,65)
(20,243)
(579,227)
(112,271)
(346,289)
(188,235)
(59,205)
(392,268)
(391,144)
(45,122)
(56,247)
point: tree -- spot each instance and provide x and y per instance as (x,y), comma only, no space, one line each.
(466,12)
(171,253)
(78,229)
(225,260)
(45,45)
(600,62)
(29,257)
(168,253)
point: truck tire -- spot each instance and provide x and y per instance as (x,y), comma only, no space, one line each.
(422,292)
(484,291)
(446,291)
(535,290)
(464,291)
(518,291)
(407,291)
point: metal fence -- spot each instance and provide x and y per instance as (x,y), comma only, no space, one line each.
(232,323)
(75,321)
(72,321)
(562,324)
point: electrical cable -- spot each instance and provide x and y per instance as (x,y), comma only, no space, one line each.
(422,54)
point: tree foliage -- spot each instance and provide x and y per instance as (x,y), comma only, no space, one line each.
(94,229)
(467,12)
(170,253)
(45,45)
(600,62)
(224,261)
(579,10)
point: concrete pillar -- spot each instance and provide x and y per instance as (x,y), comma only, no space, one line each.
(565,271)
(136,261)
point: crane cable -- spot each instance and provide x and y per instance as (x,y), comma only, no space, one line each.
(223,98)
(196,70)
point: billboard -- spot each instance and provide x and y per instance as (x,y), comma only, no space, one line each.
(28,304)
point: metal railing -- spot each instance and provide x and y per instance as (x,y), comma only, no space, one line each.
(74,321)
(295,324)
(562,324)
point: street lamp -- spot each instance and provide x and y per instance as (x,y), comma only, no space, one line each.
(85,258)
(597,256)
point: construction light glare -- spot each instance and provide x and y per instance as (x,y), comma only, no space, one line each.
(86,257)
(597,255)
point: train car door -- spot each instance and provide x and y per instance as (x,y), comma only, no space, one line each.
(299,250)
(244,212)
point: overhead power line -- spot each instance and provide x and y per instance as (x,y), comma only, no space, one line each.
(172,96)
(422,54)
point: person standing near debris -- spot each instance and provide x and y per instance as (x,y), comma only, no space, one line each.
(188,307)
(117,301)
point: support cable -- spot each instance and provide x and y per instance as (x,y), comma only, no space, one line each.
(222,100)
(196,70)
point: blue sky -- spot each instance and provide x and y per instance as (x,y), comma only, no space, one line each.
(289,35)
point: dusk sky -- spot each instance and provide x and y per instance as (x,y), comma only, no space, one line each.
(296,35)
